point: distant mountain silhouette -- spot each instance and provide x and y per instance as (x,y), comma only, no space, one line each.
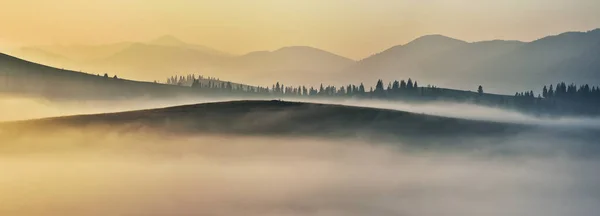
(168,55)
(295,65)
(83,53)
(168,40)
(172,41)
(156,62)
(296,57)
(42,56)
(74,57)
(149,61)
(407,57)
(548,60)
(500,66)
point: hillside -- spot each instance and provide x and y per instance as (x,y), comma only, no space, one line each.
(283,119)
(22,77)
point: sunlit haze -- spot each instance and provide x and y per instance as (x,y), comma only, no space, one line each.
(352,28)
(299,107)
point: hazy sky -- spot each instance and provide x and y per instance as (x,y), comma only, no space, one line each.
(354,28)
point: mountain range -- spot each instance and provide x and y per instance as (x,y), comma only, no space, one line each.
(500,66)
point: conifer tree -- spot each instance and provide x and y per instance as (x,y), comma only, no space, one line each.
(545,92)
(379,86)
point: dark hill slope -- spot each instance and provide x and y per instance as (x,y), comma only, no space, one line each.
(306,120)
(285,118)
(23,77)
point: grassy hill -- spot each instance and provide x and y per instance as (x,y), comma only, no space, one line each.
(308,120)
(285,118)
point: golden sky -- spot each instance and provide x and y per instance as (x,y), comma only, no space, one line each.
(353,28)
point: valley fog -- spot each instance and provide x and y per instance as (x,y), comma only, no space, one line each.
(300,108)
(111,169)
(100,171)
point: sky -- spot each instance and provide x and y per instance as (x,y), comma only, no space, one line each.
(352,28)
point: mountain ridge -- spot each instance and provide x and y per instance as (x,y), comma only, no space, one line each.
(501,65)
(435,58)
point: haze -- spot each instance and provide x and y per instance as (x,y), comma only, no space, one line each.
(354,28)
(299,107)
(101,170)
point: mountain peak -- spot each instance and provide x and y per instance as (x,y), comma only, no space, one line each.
(307,50)
(435,38)
(297,48)
(168,40)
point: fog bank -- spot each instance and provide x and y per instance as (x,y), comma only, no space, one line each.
(105,172)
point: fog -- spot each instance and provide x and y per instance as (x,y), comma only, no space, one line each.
(114,170)
(101,171)
(467,111)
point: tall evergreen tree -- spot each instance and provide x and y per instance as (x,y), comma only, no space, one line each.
(349,90)
(395,86)
(361,88)
(321,90)
(379,86)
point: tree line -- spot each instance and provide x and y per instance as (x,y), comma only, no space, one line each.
(554,99)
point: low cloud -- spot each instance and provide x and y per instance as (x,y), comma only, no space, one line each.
(101,171)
